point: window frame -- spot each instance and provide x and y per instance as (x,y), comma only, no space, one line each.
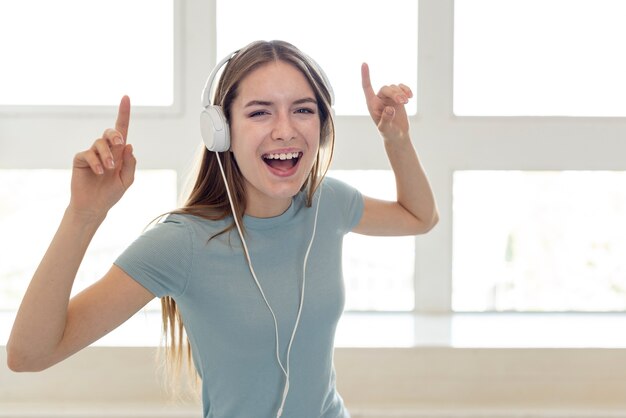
(173,110)
(445,142)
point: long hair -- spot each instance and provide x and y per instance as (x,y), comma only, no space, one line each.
(208,197)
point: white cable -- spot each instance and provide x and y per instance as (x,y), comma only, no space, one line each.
(293,333)
(245,248)
(256,280)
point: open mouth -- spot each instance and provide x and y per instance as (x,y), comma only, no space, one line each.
(282,162)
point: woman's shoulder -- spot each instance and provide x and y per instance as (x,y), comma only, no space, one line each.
(343,201)
(180,217)
(336,186)
(190,224)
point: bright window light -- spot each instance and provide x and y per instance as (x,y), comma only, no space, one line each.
(378,271)
(539,58)
(75,53)
(339,35)
(38,198)
(545,241)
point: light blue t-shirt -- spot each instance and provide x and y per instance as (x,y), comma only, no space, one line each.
(230,327)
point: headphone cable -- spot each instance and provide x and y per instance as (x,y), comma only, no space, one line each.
(256,280)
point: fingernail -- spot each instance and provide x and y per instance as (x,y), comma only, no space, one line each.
(110,163)
(118,140)
(99,169)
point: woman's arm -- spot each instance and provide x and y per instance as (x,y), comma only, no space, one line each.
(415,211)
(48,327)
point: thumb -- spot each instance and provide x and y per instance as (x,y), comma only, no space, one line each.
(127,172)
(386,118)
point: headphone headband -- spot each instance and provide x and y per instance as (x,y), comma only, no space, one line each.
(208,87)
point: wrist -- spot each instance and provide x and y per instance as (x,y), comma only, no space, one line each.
(397,140)
(395,135)
(84,216)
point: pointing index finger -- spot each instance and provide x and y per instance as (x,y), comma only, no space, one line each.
(366,82)
(123,117)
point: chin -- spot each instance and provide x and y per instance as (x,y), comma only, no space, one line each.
(286,190)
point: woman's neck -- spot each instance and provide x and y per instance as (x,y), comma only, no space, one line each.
(267,209)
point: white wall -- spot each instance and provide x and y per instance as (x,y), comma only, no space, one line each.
(391,382)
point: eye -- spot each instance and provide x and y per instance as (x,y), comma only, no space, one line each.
(258,113)
(305,110)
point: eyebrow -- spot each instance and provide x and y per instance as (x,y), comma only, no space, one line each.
(267,103)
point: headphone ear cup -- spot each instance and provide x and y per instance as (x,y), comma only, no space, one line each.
(214,129)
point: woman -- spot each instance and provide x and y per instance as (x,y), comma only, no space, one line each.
(255,276)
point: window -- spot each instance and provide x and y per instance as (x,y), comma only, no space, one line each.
(114,48)
(32,204)
(539,57)
(434,273)
(338,35)
(539,241)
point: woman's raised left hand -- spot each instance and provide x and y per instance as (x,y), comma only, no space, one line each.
(387,106)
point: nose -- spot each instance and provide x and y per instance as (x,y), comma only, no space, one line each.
(283,129)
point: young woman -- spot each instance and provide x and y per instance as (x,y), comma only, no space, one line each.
(253,270)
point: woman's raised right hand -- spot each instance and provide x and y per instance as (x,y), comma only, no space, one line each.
(102,174)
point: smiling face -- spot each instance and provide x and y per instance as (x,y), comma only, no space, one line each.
(275,135)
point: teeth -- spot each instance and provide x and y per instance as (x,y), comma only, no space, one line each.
(282,156)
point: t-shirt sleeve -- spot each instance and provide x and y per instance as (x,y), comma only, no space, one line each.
(160,259)
(347,200)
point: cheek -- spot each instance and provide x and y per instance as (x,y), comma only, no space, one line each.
(314,144)
(243,158)
(242,142)
(241,155)
(239,131)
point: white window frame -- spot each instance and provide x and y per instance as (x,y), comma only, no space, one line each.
(444,141)
(174,110)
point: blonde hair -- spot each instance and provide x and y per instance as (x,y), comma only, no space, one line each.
(208,198)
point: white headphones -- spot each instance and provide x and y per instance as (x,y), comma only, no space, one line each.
(213,123)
